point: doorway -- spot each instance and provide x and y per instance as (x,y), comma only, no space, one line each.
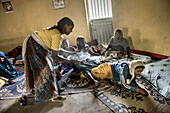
(99,14)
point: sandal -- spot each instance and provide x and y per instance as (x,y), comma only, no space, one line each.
(22,100)
(59,99)
(62,89)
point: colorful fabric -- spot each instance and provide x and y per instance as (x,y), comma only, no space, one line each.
(15,52)
(38,70)
(121,74)
(51,38)
(7,69)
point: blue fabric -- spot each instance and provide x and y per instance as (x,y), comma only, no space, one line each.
(117,75)
(66,67)
(15,90)
(7,69)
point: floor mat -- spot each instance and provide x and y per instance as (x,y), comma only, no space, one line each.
(122,101)
(15,90)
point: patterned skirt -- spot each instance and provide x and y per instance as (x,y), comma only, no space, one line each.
(39,73)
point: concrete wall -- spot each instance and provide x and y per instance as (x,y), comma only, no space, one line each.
(30,15)
(145,23)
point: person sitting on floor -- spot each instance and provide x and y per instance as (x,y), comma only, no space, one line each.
(82,46)
(124,72)
(96,47)
(118,43)
(7,69)
(66,46)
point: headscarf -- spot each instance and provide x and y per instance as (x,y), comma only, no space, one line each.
(119,41)
(61,23)
(132,66)
(8,67)
(120,34)
(5,60)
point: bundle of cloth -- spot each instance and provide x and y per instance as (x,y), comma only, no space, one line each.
(158,74)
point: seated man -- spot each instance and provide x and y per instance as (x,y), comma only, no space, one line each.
(125,73)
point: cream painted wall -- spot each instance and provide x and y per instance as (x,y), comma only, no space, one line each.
(145,23)
(30,15)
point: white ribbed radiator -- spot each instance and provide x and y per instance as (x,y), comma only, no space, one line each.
(102,30)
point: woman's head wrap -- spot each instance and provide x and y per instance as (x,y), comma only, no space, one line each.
(3,55)
(120,33)
(132,66)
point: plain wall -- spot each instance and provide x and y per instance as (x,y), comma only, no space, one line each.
(31,15)
(145,23)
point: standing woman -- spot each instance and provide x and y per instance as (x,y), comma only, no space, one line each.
(39,50)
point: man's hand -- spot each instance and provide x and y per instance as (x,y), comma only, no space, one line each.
(141,91)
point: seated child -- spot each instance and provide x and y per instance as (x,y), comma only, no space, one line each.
(96,47)
(84,47)
(66,46)
(125,73)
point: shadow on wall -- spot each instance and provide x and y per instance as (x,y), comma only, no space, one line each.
(142,43)
(135,37)
(148,45)
(129,39)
